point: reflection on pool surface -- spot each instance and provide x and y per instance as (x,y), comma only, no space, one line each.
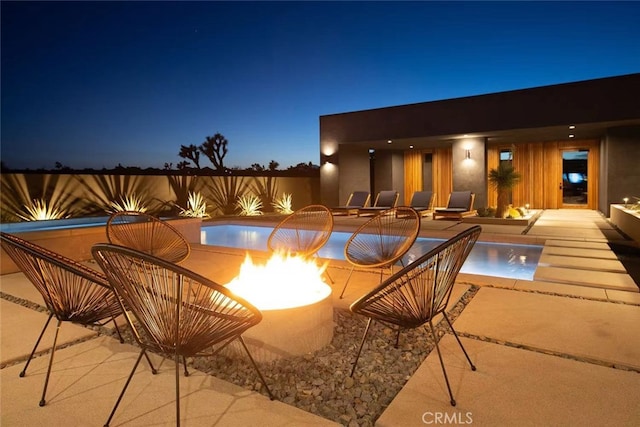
(489,259)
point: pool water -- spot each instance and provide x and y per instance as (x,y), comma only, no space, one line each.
(489,259)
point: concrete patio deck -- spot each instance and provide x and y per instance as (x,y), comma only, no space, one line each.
(563,349)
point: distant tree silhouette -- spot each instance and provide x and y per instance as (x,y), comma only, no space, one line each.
(168,166)
(257,167)
(304,167)
(182,165)
(273,165)
(215,148)
(190,152)
(61,167)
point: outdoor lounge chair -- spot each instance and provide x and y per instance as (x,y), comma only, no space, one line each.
(72,292)
(356,200)
(460,204)
(382,240)
(148,234)
(422,202)
(416,294)
(177,312)
(385,199)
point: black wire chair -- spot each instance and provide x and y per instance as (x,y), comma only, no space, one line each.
(177,312)
(382,241)
(148,234)
(414,295)
(72,292)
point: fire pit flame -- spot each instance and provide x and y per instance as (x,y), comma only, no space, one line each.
(285,281)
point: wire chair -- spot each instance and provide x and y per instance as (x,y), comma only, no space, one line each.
(414,295)
(71,291)
(148,234)
(177,312)
(303,233)
(382,240)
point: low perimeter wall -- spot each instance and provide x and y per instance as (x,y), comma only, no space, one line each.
(76,243)
(627,221)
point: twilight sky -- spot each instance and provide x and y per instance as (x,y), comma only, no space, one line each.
(95,84)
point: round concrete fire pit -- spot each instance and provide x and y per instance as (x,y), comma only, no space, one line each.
(291,331)
(296,307)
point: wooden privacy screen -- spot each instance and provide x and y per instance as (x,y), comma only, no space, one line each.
(539,163)
(442,173)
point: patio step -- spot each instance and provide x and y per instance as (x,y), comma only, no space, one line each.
(583,263)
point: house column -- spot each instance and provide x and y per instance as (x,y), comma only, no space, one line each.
(469,168)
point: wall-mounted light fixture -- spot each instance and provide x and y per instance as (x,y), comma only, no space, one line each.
(626,201)
(328,159)
(467,154)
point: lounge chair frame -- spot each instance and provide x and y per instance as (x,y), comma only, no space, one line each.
(385,199)
(455,211)
(356,200)
(422,202)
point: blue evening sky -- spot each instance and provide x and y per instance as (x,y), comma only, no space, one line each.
(95,84)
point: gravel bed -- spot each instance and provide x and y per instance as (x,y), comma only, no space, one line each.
(320,383)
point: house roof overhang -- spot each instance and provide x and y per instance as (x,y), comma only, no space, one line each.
(537,114)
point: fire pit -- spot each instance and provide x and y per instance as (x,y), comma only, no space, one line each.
(295,303)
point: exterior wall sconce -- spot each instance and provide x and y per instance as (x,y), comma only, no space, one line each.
(329,159)
(626,201)
(467,154)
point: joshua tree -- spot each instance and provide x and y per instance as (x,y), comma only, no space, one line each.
(215,148)
(190,152)
(503,179)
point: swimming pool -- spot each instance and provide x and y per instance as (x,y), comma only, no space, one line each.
(489,259)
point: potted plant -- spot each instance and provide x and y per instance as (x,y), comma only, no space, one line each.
(503,179)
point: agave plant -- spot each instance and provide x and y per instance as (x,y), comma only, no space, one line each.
(29,198)
(267,189)
(225,191)
(196,207)
(130,202)
(109,193)
(40,210)
(249,205)
(283,204)
(183,186)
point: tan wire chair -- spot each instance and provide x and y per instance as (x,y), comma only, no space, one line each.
(414,295)
(71,291)
(382,241)
(304,232)
(148,234)
(177,312)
